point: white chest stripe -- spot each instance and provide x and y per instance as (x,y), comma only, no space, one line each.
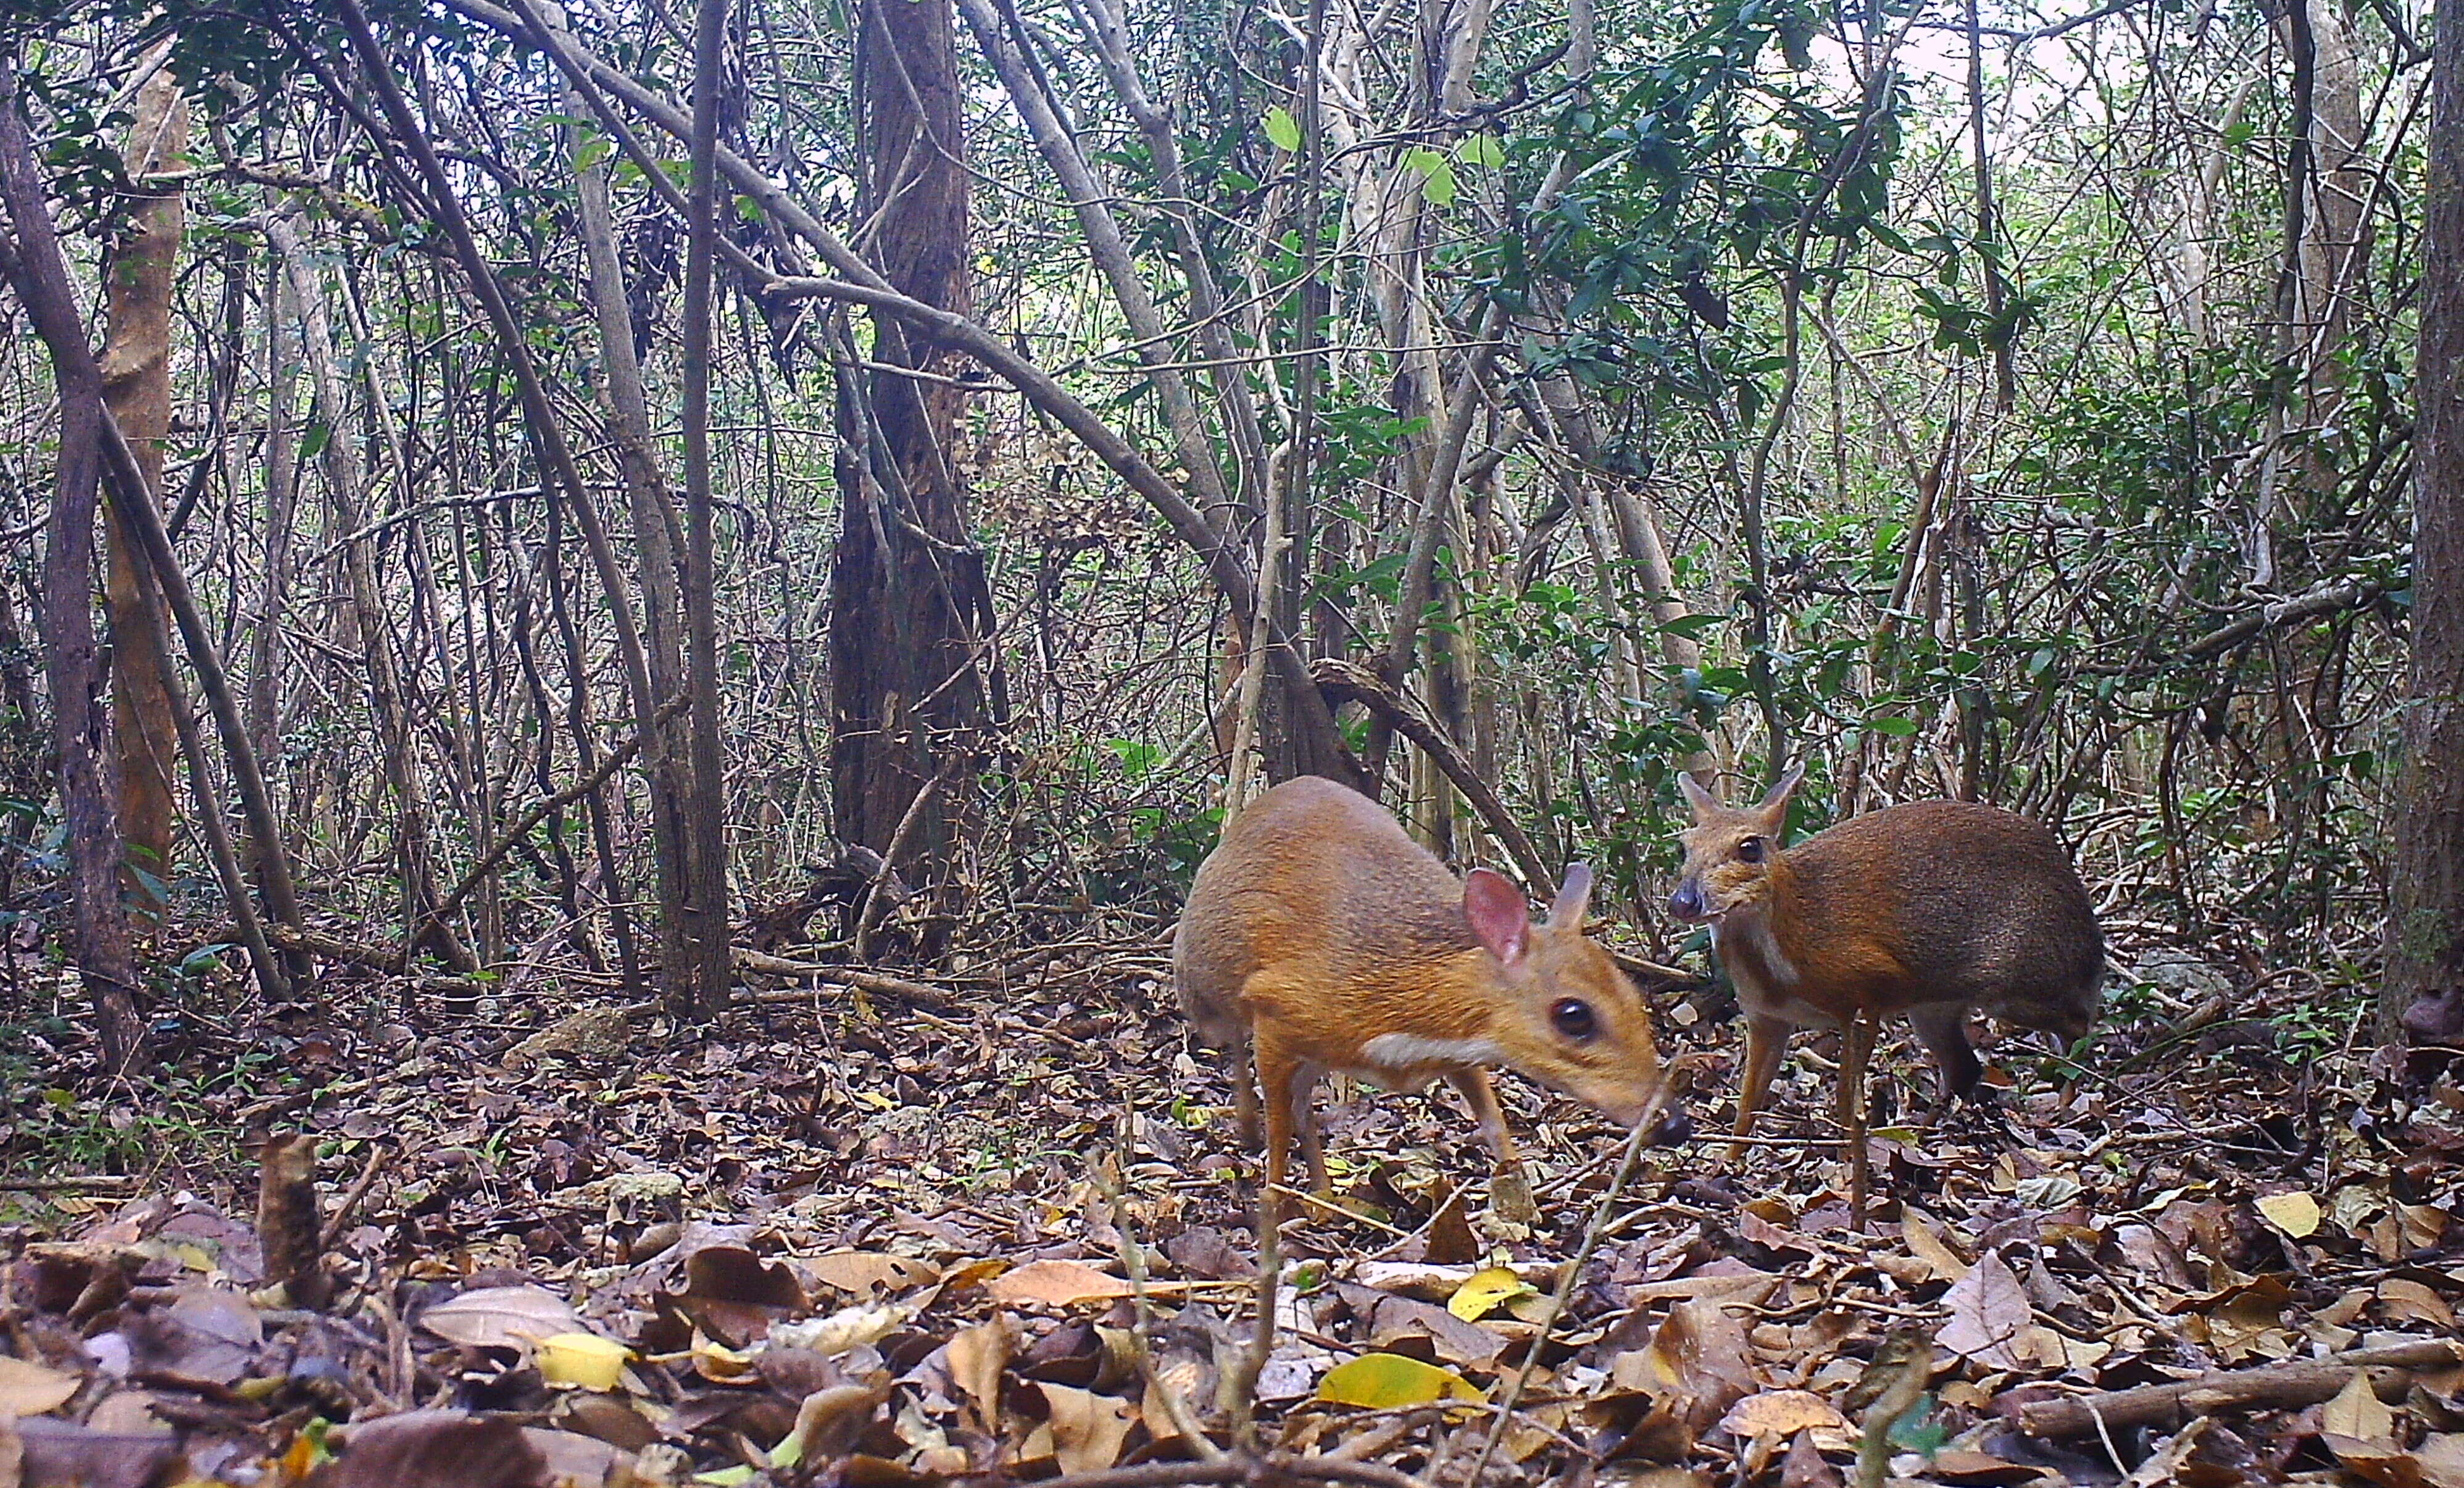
(1407,1050)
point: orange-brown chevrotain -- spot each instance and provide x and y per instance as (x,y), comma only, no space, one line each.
(1320,937)
(1931,909)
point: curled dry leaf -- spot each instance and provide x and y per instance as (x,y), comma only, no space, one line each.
(1781,1412)
(868,1274)
(850,1327)
(2407,1300)
(501,1316)
(977,1356)
(435,1449)
(1055,1283)
(1088,1429)
(1989,1312)
(30,1389)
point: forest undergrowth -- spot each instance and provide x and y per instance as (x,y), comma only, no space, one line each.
(999,1225)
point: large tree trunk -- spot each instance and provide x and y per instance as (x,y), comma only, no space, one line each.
(913,674)
(2424,990)
(89,784)
(136,387)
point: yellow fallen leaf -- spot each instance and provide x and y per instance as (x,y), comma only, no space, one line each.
(1390,1382)
(1483,1291)
(2357,1411)
(1056,1284)
(30,1389)
(2296,1214)
(1088,1429)
(722,1364)
(1782,1413)
(583,1359)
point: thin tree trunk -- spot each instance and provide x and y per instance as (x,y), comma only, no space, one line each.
(706,816)
(652,509)
(2424,990)
(89,770)
(136,387)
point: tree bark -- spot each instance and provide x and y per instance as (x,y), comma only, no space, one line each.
(136,387)
(89,770)
(706,816)
(652,505)
(2423,989)
(911,624)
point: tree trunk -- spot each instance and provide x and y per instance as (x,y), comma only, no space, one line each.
(652,505)
(136,387)
(89,783)
(912,670)
(706,813)
(2424,990)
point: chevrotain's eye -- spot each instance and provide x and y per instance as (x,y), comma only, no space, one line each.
(1750,848)
(1574,1017)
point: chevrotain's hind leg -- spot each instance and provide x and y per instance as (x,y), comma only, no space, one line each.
(1509,1187)
(1312,1136)
(1964,1097)
(1244,1094)
(1278,1073)
(1943,1029)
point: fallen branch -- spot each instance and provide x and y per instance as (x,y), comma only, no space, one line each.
(2272,1387)
(74,1182)
(915,994)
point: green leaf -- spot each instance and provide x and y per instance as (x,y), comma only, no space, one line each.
(1892,725)
(1482,150)
(1284,130)
(1436,173)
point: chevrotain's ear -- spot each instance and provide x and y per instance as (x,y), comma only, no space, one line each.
(1572,900)
(1704,802)
(1500,917)
(1773,806)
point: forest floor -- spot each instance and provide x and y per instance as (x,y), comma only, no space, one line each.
(851,1240)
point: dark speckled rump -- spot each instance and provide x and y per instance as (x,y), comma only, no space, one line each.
(1992,910)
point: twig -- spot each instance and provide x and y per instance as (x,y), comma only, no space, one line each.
(74,1182)
(1134,1264)
(378,1152)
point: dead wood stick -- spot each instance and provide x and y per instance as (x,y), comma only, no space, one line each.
(2288,1386)
(931,999)
(378,1153)
(73,1183)
(287,1229)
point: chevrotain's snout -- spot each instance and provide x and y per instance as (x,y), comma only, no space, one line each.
(1686,903)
